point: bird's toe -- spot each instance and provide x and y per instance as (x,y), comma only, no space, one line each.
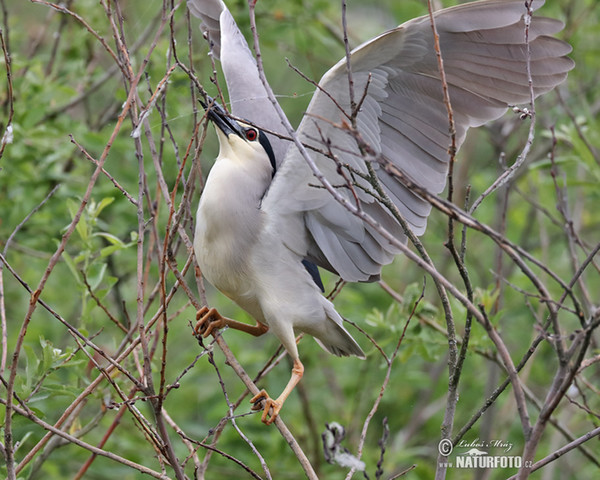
(270,407)
(208,320)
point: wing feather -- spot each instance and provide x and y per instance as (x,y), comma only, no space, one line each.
(247,95)
(404,119)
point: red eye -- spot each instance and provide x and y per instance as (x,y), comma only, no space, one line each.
(251,134)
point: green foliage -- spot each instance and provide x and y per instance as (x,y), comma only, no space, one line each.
(65,87)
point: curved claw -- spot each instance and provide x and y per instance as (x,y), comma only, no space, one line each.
(208,320)
(270,407)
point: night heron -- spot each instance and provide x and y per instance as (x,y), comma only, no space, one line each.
(263,223)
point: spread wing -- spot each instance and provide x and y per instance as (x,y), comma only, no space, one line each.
(403,118)
(247,96)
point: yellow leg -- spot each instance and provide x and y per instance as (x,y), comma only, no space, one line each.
(272,407)
(208,320)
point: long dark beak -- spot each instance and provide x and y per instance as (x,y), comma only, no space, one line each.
(217,114)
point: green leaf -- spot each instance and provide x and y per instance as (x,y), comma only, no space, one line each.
(114,240)
(82,226)
(105,202)
(60,389)
(95,274)
(72,264)
(52,357)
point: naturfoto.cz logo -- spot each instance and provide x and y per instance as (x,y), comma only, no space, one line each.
(475,454)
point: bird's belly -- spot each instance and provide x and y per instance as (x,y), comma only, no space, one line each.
(220,263)
(224,263)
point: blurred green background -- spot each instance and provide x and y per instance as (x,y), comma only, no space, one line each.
(55,61)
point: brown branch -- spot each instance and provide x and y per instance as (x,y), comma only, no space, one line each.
(231,418)
(36,294)
(62,9)
(454,358)
(7,136)
(126,349)
(24,411)
(561,451)
(389,361)
(231,361)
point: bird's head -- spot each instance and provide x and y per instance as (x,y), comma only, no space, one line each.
(238,140)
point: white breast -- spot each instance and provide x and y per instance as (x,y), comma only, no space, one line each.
(228,225)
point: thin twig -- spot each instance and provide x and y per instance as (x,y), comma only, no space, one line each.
(7,136)
(389,360)
(561,451)
(27,413)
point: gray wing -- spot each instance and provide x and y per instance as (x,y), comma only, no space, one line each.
(403,118)
(247,96)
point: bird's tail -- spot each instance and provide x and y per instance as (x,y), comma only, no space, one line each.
(335,338)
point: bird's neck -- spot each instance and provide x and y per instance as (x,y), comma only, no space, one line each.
(230,202)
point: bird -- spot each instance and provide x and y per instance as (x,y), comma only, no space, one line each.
(333,450)
(265,225)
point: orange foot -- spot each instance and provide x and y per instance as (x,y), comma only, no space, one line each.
(208,320)
(269,406)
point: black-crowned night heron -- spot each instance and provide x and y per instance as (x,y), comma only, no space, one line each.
(263,223)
